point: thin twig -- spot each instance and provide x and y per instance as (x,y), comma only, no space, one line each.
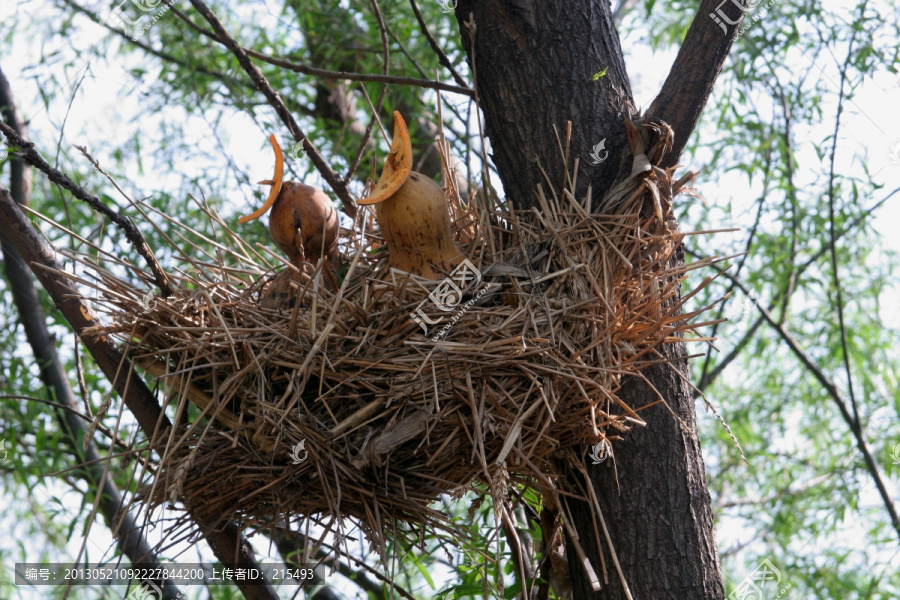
(31,156)
(95,18)
(442,58)
(372,77)
(751,236)
(337,184)
(288,542)
(354,165)
(386,56)
(831,221)
(707,380)
(325,73)
(835,394)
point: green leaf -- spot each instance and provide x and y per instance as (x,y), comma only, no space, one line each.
(599,74)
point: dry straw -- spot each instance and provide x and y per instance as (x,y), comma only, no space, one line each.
(572,297)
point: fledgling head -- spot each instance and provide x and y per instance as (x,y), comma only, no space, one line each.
(303,223)
(413,213)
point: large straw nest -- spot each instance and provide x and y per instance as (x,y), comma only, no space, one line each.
(522,383)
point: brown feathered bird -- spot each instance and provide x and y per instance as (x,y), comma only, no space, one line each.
(304,223)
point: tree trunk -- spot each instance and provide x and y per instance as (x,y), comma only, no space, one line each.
(538,66)
(543,64)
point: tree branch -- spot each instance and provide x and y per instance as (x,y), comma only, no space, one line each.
(27,152)
(834,393)
(228,544)
(121,522)
(831,222)
(150,49)
(720,311)
(826,246)
(337,184)
(287,542)
(372,77)
(696,68)
(325,73)
(442,58)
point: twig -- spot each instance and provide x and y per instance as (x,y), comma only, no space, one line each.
(31,156)
(287,542)
(831,220)
(366,135)
(751,236)
(386,56)
(442,58)
(337,184)
(372,77)
(325,73)
(224,77)
(834,392)
(791,194)
(706,380)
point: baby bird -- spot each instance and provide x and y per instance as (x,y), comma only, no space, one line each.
(413,214)
(304,223)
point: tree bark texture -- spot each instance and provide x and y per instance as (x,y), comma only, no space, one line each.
(538,65)
(535,65)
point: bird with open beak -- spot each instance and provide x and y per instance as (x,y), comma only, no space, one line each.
(412,213)
(304,225)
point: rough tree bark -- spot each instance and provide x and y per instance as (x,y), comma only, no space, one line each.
(536,66)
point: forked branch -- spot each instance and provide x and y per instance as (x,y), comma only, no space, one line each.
(228,544)
(27,152)
(695,70)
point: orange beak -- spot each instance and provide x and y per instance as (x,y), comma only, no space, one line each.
(275,183)
(397,167)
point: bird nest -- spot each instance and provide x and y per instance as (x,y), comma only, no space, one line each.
(370,393)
